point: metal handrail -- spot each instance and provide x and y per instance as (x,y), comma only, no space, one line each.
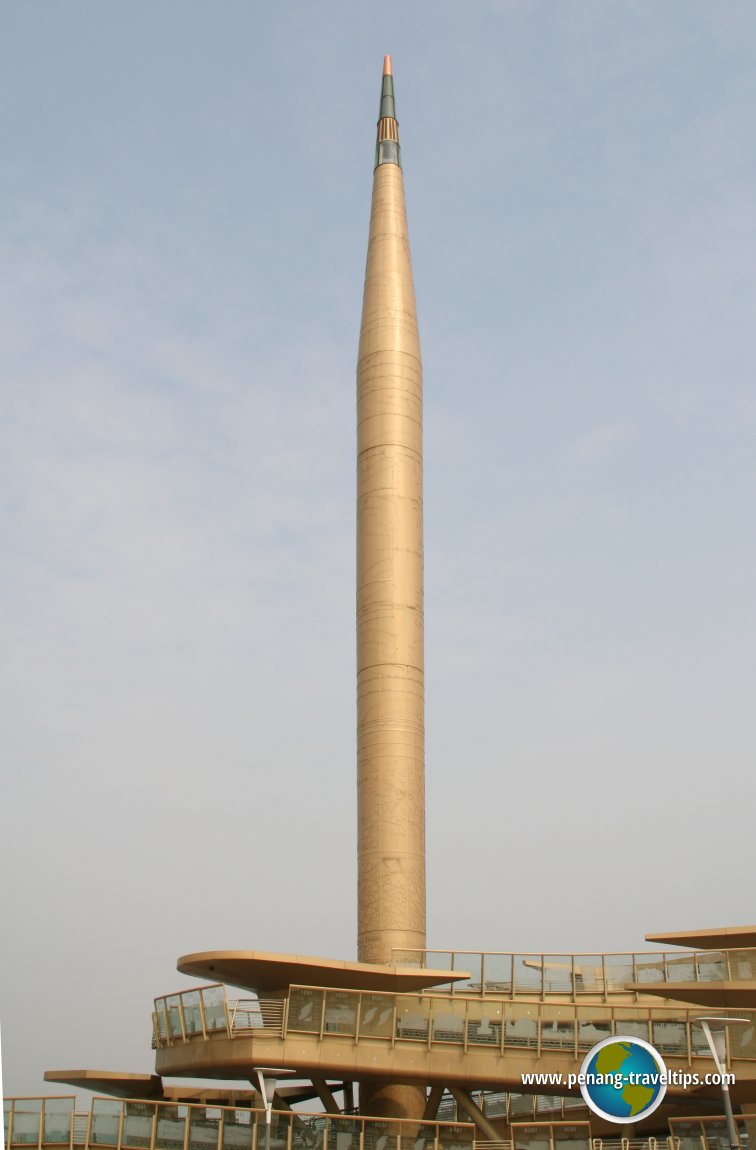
(576,974)
(650,1143)
(80,1127)
(247,1014)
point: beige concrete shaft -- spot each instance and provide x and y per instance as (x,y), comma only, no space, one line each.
(390,688)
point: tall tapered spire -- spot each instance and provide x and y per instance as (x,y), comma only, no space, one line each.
(390,666)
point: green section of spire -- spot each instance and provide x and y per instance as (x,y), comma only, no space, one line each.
(388,107)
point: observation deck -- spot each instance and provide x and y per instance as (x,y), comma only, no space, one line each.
(454,1020)
(452,1037)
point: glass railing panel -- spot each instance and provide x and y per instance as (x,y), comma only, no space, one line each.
(308,1132)
(681,968)
(106,1118)
(697,1133)
(456,1137)
(649,968)
(238,1130)
(547,1105)
(497,973)
(279,1131)
(412,1017)
(632,1022)
(414,1137)
(343,1133)
(379,1135)
(594,1025)
(7,1108)
(576,1136)
(214,1006)
(618,971)
(473,964)
(305,1009)
(484,1023)
(535,1137)
(247,1014)
(522,1105)
(496,1104)
(449,1022)
(669,1037)
(699,1047)
(686,1133)
(58,1116)
(171,1127)
(341,1012)
(742,1040)
(25,1126)
(161,1024)
(173,1010)
(589,974)
(377,1015)
(557,1028)
(190,1001)
(715,1133)
(527,971)
(557,974)
(137,1124)
(204,1127)
(742,964)
(712,967)
(55,1105)
(521,1026)
(161,1014)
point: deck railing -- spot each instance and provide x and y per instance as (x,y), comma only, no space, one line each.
(200,1013)
(577,975)
(441,1020)
(113,1124)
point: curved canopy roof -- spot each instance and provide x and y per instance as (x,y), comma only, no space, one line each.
(121,1084)
(713,938)
(257,971)
(118,1084)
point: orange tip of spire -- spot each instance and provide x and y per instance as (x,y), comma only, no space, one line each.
(387,66)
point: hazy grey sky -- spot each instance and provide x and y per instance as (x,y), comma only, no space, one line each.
(185,193)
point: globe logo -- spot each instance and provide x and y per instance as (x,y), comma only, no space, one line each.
(623,1079)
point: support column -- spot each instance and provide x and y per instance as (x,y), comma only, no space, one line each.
(487,1129)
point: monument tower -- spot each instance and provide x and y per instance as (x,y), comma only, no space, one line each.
(390,672)
(390,694)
